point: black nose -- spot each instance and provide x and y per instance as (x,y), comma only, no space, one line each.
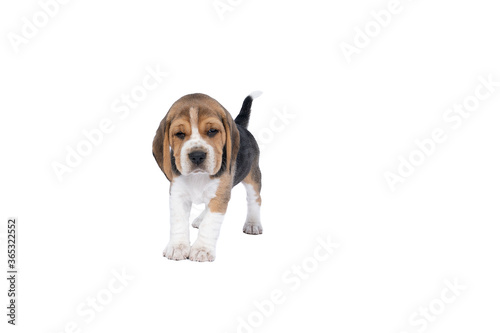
(197,157)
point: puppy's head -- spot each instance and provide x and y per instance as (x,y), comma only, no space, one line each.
(196,136)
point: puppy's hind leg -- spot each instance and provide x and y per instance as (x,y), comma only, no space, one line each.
(253,185)
(199,219)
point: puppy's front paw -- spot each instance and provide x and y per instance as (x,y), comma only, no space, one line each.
(177,251)
(201,253)
(252,228)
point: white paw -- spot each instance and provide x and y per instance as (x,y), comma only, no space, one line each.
(179,251)
(202,253)
(197,221)
(252,228)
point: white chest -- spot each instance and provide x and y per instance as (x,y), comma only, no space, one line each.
(198,189)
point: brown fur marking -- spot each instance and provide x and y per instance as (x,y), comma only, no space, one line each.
(254,178)
(219,203)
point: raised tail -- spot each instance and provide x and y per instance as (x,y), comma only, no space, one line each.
(244,116)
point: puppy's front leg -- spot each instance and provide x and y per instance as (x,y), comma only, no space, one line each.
(203,248)
(178,246)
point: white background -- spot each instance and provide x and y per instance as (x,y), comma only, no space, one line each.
(323,171)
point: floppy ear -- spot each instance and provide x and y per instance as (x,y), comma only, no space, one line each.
(232,139)
(161,148)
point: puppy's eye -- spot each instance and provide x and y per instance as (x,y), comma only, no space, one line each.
(211,132)
(180,135)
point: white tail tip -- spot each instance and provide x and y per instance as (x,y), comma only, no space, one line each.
(256,94)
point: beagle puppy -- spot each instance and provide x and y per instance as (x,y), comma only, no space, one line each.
(204,153)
